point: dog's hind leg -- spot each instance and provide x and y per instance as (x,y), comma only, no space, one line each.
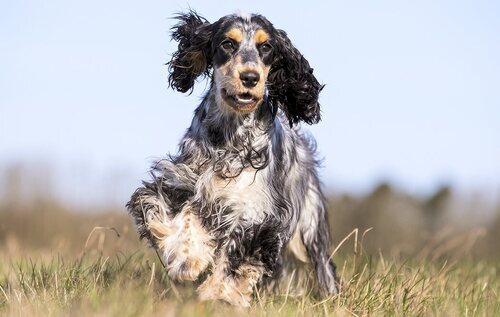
(311,241)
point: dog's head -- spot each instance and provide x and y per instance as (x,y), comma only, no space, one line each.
(249,61)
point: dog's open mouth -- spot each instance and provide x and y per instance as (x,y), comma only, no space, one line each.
(244,102)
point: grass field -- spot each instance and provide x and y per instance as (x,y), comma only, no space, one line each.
(104,279)
(56,262)
(136,285)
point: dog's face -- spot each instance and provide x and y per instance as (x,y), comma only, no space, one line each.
(249,60)
(243,54)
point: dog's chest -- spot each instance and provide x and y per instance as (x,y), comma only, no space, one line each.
(246,195)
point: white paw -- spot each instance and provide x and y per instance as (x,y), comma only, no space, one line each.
(236,290)
(186,247)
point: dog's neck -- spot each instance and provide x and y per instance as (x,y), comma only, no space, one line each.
(230,141)
(225,126)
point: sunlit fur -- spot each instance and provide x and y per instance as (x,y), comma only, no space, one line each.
(244,182)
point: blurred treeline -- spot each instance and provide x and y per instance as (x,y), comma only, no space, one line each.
(384,221)
(441,224)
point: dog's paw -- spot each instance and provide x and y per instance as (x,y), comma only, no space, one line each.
(227,290)
(186,247)
(184,264)
(236,290)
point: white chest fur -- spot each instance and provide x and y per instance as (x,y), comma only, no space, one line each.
(247,195)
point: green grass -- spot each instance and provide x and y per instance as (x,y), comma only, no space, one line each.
(136,285)
(55,261)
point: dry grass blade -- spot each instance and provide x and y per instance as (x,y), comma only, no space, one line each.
(152,274)
(4,294)
(287,290)
(94,230)
(355,233)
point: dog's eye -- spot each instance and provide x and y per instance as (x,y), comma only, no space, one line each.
(265,48)
(227,45)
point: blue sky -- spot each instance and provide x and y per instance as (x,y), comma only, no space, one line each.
(412,89)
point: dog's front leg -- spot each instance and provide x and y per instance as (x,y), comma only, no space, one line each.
(245,258)
(189,248)
(184,245)
(163,214)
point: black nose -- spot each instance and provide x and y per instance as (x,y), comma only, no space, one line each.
(249,78)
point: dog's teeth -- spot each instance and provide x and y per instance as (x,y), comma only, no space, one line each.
(244,100)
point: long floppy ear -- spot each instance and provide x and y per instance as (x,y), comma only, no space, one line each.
(292,85)
(193,57)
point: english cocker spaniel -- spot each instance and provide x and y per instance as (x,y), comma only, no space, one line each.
(244,186)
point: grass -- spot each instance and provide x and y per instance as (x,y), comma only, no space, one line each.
(57,262)
(136,285)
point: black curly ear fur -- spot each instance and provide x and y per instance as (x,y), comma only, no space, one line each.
(292,85)
(193,57)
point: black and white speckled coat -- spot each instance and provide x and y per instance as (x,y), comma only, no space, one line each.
(244,185)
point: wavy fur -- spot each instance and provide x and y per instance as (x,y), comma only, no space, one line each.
(243,184)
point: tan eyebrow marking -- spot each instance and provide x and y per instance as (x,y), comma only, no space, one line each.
(261,36)
(235,34)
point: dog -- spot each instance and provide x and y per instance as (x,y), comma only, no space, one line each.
(244,186)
